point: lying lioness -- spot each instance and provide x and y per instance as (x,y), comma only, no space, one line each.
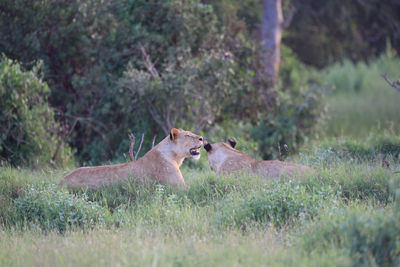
(225,159)
(160,164)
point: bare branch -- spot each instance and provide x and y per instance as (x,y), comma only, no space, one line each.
(163,122)
(156,116)
(392,84)
(87,119)
(153,142)
(131,151)
(174,120)
(147,63)
(167,118)
(62,140)
(140,147)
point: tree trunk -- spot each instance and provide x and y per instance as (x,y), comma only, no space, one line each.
(271,35)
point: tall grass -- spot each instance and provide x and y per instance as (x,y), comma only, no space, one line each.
(369,236)
(361,101)
(232,220)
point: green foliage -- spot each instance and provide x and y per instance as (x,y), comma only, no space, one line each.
(361,101)
(188,92)
(325,32)
(378,237)
(13,184)
(79,43)
(207,188)
(27,125)
(369,239)
(47,208)
(123,193)
(322,33)
(281,203)
(376,147)
(94,64)
(354,182)
(345,214)
(283,131)
(356,77)
(207,61)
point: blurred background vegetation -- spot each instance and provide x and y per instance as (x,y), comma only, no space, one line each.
(77,76)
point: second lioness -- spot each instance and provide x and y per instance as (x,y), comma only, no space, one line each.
(225,159)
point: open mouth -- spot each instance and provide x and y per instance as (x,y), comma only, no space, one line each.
(195,151)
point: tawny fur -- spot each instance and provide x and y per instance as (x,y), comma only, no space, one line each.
(224,159)
(160,164)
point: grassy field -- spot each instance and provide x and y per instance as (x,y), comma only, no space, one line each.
(361,101)
(346,214)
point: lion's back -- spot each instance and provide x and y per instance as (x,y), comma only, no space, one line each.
(95,176)
(276,169)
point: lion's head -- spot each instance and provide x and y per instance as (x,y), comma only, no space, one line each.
(219,152)
(186,143)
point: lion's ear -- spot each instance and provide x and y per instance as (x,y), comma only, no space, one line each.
(174,134)
(232,142)
(207,147)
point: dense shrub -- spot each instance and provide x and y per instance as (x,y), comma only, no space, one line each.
(189,92)
(369,239)
(208,71)
(299,110)
(86,46)
(378,237)
(27,125)
(47,207)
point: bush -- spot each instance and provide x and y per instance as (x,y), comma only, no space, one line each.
(48,208)
(369,239)
(281,203)
(355,182)
(375,147)
(90,47)
(27,125)
(300,109)
(378,237)
(173,97)
(349,77)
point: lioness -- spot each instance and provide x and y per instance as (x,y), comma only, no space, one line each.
(225,159)
(160,164)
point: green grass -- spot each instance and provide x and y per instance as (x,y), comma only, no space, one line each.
(233,220)
(362,102)
(127,247)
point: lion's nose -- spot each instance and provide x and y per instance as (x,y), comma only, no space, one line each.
(201,138)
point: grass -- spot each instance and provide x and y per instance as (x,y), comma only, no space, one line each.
(361,101)
(127,248)
(233,220)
